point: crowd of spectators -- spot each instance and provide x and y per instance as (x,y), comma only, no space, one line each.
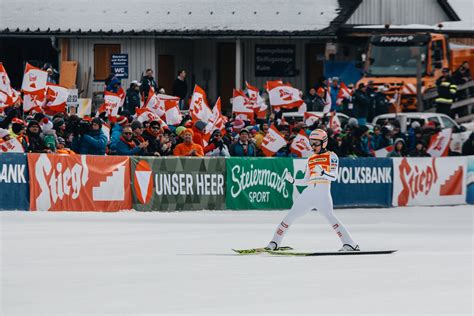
(69,134)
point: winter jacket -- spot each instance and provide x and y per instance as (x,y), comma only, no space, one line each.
(124,148)
(381,103)
(237,149)
(145,85)
(154,145)
(132,101)
(361,104)
(35,143)
(446,90)
(183,149)
(180,88)
(94,143)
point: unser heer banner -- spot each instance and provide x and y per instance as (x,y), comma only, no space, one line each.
(256,183)
(178,183)
(79,183)
(429,181)
(361,182)
(14,188)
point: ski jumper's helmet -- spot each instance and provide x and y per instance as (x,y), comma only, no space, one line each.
(319,137)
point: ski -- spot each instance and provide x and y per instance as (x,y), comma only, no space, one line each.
(253,251)
(329,253)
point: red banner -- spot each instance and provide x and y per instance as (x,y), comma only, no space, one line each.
(79,183)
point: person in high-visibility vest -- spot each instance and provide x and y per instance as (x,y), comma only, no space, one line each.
(446,93)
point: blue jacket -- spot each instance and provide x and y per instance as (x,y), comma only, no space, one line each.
(115,136)
(94,143)
(334,92)
(238,150)
(123,149)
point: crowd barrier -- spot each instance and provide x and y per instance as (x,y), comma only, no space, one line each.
(45,182)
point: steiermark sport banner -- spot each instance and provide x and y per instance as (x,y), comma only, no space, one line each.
(178,183)
(256,183)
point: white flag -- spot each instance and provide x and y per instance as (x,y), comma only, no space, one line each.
(198,107)
(173,114)
(272,142)
(283,95)
(301,145)
(11,146)
(242,107)
(33,79)
(439,143)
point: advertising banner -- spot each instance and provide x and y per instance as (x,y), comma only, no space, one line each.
(361,182)
(256,183)
(79,183)
(470,180)
(429,181)
(14,188)
(178,183)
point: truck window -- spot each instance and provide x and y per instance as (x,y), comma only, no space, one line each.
(434,119)
(448,123)
(436,55)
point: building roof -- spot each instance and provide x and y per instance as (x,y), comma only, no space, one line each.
(177,17)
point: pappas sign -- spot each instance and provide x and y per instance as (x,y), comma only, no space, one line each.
(275,61)
(119,65)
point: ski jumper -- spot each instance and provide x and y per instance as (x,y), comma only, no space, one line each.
(317,196)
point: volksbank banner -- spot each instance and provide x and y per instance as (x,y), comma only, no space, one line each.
(256,183)
(363,182)
(178,183)
(14,187)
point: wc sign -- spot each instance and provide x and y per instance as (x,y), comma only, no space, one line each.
(119,65)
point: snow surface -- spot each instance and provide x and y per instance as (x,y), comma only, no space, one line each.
(64,263)
(166,15)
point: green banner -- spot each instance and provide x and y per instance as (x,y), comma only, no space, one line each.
(178,183)
(256,183)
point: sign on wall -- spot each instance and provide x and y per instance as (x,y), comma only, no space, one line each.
(429,181)
(14,187)
(178,183)
(275,60)
(119,65)
(79,183)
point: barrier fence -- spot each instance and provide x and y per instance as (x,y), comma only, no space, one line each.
(44,182)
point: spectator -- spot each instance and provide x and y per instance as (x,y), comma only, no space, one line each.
(370,93)
(462,74)
(61,149)
(319,102)
(127,147)
(198,130)
(216,147)
(188,147)
(334,91)
(399,149)
(376,138)
(387,139)
(152,135)
(132,99)
(89,139)
(180,88)
(116,131)
(167,144)
(52,73)
(397,133)
(310,99)
(49,134)
(35,143)
(361,104)
(59,126)
(243,148)
(137,129)
(147,82)
(114,85)
(419,150)
(380,101)
(468,146)
(447,90)
(348,104)
(332,142)
(18,130)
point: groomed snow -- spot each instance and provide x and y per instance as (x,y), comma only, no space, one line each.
(132,263)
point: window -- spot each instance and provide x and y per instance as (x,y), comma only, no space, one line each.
(448,123)
(102,54)
(434,119)
(437,55)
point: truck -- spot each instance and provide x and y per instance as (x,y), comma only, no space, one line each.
(395,61)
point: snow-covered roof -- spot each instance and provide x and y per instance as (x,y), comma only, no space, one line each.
(173,16)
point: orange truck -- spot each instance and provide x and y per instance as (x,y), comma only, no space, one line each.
(392,60)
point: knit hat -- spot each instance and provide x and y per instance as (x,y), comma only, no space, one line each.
(238,124)
(58,122)
(98,121)
(153,123)
(122,120)
(179,130)
(188,130)
(33,122)
(61,141)
(200,125)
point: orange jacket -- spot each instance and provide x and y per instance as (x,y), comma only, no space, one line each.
(184,149)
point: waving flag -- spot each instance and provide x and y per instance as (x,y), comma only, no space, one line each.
(284,95)
(34,101)
(259,105)
(153,104)
(198,108)
(111,104)
(56,98)
(173,114)
(11,146)
(145,115)
(8,95)
(383,152)
(272,142)
(216,122)
(34,79)
(241,106)
(310,118)
(301,146)
(344,93)
(439,143)
(334,122)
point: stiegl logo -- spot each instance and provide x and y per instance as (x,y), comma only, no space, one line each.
(416,181)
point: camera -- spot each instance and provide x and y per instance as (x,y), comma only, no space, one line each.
(83,127)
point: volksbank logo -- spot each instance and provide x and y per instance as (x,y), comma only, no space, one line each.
(369,175)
